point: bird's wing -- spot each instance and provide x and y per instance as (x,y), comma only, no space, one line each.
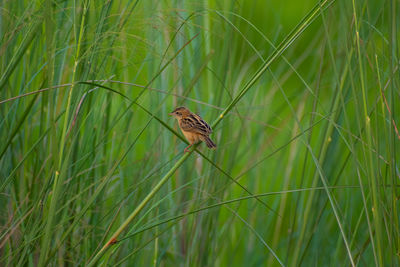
(194,123)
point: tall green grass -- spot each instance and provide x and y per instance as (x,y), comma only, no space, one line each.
(302,97)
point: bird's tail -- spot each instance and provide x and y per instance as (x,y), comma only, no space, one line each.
(209,142)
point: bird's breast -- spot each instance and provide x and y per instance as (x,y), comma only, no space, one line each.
(191,137)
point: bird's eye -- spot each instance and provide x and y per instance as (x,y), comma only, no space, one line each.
(178,113)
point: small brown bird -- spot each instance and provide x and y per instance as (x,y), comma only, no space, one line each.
(193,127)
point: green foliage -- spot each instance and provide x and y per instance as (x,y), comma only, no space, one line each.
(302,99)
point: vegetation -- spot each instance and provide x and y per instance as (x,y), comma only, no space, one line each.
(302,97)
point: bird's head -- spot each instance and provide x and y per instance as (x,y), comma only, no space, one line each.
(180,112)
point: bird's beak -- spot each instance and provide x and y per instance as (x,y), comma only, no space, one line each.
(171,114)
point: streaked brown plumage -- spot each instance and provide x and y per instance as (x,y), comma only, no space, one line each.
(193,127)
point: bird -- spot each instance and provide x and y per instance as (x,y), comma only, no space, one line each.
(193,127)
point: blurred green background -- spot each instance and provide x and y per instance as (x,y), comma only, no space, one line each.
(306,171)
